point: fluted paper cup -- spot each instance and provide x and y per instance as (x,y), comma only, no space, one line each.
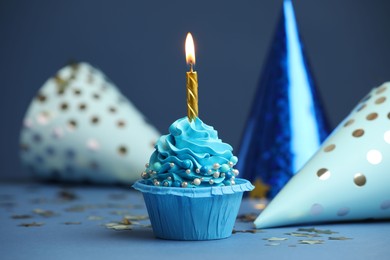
(79,127)
(193,213)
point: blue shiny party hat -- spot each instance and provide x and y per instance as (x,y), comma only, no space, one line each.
(348,178)
(80,128)
(287,123)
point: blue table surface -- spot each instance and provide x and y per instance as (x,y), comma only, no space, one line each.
(85,236)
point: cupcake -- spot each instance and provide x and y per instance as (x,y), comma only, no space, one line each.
(189,185)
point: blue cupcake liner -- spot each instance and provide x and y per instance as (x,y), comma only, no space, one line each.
(240,186)
(193,213)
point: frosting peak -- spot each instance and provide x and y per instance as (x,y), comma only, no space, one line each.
(191,155)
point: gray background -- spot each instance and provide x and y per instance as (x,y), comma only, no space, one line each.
(140,46)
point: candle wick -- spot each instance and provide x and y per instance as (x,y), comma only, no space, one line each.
(191,67)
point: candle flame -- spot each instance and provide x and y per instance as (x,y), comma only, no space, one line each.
(190,49)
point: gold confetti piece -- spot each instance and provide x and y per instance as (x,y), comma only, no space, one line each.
(253,231)
(32,224)
(67,195)
(326,232)
(95,218)
(21,216)
(118,226)
(296,234)
(126,221)
(111,224)
(44,213)
(276,239)
(136,217)
(339,238)
(318,231)
(311,242)
(247,217)
(306,229)
(72,223)
(121,227)
(272,244)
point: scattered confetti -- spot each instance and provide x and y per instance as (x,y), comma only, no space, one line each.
(136,217)
(307,233)
(120,227)
(276,239)
(67,195)
(311,242)
(296,234)
(326,232)
(126,221)
(247,217)
(25,216)
(125,224)
(306,229)
(339,238)
(318,231)
(253,231)
(44,213)
(272,244)
(32,224)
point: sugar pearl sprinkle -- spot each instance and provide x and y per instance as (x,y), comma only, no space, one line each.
(169,174)
(144,175)
(197,181)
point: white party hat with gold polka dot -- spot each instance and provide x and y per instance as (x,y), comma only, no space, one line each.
(348,178)
(80,128)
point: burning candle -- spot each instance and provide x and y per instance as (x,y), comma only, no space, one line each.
(192,80)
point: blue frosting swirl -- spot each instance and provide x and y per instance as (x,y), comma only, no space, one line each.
(191,155)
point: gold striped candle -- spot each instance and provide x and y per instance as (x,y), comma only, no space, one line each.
(192,80)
